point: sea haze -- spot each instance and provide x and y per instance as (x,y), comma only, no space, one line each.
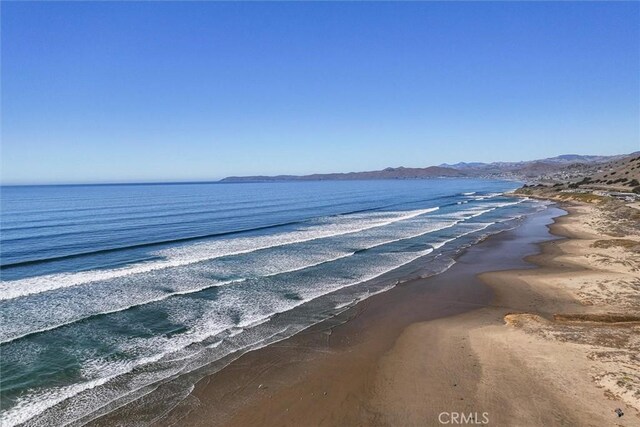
(109,292)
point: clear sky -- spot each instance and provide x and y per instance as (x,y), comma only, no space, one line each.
(148,91)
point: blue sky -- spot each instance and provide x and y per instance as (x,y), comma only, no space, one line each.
(154,91)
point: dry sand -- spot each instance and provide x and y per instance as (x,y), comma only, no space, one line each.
(554,345)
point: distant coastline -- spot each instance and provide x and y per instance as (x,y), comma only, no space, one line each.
(388,173)
(565,167)
(568,166)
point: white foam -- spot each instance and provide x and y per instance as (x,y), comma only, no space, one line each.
(35,403)
(487,196)
(56,318)
(195,253)
(81,306)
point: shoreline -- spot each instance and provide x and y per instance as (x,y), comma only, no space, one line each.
(253,389)
(464,341)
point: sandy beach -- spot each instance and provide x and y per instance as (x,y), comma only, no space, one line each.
(320,213)
(535,326)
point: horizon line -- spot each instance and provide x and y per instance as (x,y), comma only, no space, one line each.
(222,180)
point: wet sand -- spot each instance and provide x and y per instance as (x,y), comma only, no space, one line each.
(534,326)
(403,357)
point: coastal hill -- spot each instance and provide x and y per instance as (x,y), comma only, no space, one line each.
(617,179)
(565,159)
(619,175)
(562,168)
(388,173)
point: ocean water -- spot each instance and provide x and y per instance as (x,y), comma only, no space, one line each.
(110,293)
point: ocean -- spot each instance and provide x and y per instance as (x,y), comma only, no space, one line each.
(112,293)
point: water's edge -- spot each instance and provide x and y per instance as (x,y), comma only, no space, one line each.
(151,404)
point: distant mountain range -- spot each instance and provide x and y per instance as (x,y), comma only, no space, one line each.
(560,168)
(388,173)
(558,160)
